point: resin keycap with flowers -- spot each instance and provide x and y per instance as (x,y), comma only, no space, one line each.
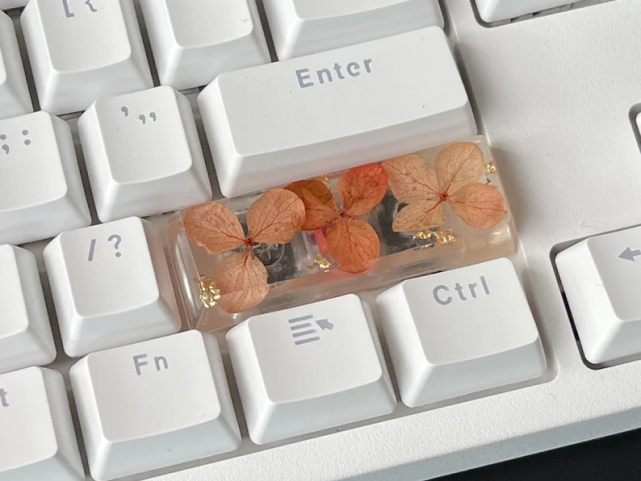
(365,228)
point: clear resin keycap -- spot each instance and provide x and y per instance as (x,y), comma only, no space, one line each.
(365,228)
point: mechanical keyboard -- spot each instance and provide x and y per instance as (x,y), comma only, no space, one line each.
(301,240)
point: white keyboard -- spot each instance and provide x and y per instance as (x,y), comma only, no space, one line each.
(115,114)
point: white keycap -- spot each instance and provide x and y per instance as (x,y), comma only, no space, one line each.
(73,63)
(194,41)
(111,286)
(460,332)
(41,191)
(154,404)
(497,10)
(37,439)
(309,368)
(143,154)
(7,4)
(310,116)
(303,27)
(25,332)
(600,277)
(14,93)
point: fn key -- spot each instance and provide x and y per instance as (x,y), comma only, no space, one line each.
(154,404)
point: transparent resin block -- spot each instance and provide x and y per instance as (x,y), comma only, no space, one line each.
(304,270)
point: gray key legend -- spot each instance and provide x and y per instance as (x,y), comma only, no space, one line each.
(303,329)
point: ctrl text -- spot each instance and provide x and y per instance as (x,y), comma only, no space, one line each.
(159,363)
(4,402)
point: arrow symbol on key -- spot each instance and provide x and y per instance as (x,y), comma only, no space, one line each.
(324,324)
(629,254)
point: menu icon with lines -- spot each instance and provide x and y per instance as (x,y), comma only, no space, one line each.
(305,330)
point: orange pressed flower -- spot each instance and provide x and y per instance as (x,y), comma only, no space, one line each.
(241,278)
(350,240)
(454,179)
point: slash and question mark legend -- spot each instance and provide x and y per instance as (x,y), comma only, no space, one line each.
(111,239)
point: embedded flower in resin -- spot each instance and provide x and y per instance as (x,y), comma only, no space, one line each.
(454,179)
(350,240)
(241,278)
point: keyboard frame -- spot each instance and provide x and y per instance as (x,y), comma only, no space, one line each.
(564,135)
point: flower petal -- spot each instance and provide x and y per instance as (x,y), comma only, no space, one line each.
(479,206)
(276,217)
(354,244)
(419,216)
(242,282)
(214,227)
(458,165)
(411,178)
(362,188)
(320,206)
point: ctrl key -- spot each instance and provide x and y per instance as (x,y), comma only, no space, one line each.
(37,439)
(154,404)
(460,332)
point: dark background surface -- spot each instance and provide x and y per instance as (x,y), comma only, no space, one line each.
(616,458)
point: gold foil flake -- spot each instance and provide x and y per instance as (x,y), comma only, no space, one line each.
(322,178)
(424,235)
(209,295)
(320,263)
(446,237)
(490,168)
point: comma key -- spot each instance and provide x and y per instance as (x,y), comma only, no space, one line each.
(143,155)
(154,404)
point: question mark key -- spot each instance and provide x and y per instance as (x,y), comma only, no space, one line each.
(111,286)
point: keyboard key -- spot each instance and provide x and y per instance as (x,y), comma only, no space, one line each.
(14,93)
(194,41)
(303,27)
(41,192)
(25,333)
(154,404)
(72,63)
(143,154)
(37,439)
(111,286)
(497,10)
(309,368)
(301,118)
(460,332)
(7,4)
(600,278)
